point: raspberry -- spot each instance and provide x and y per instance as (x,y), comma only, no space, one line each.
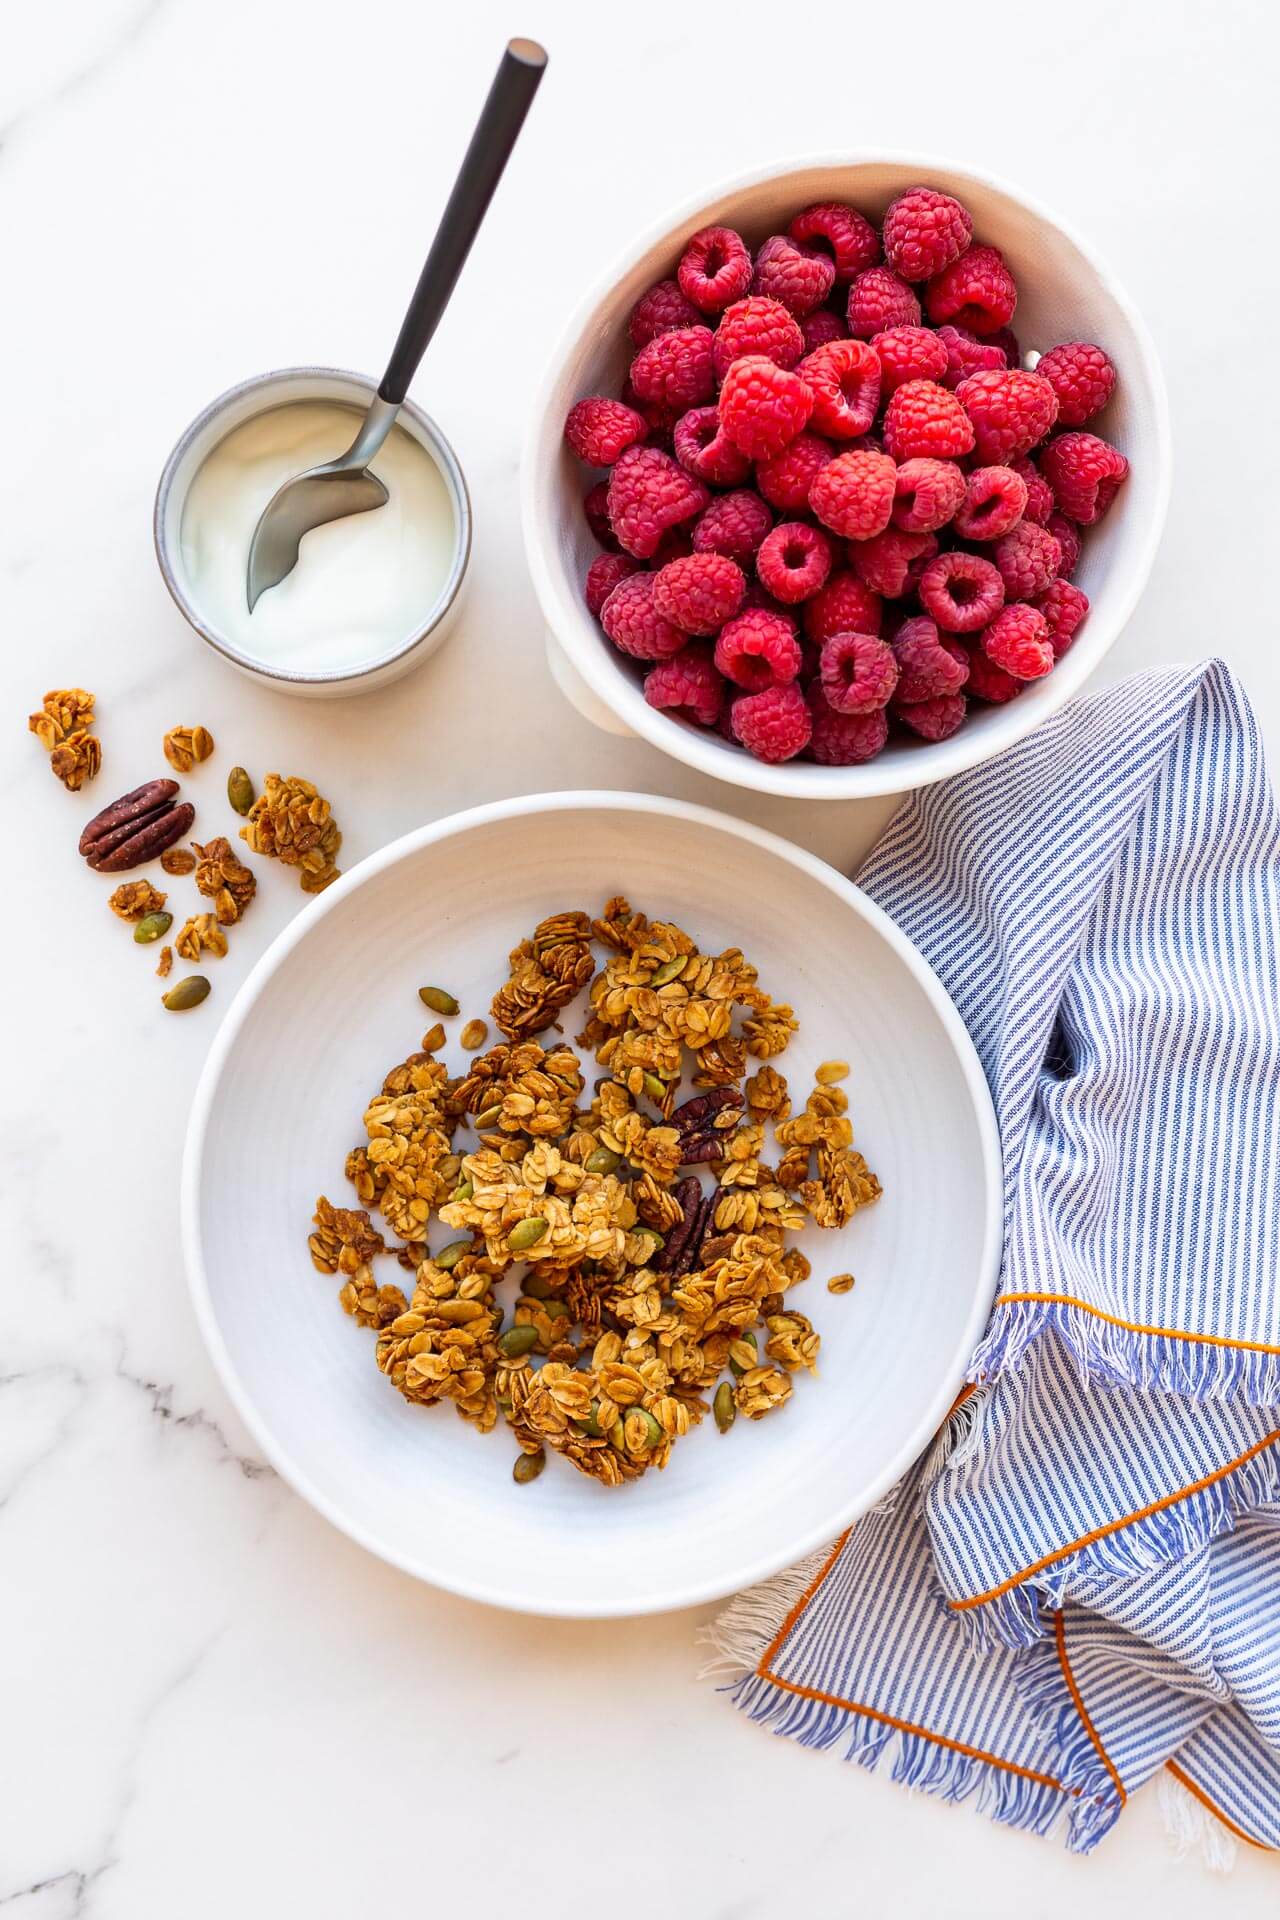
(820,326)
(909,353)
(595,506)
(1085,474)
(995,499)
(846,739)
(688,684)
(1007,340)
(926,494)
(599,430)
(714,269)
(975,291)
(1063,607)
(774,725)
(924,232)
(893,562)
(698,594)
(794,561)
(1028,558)
(603,575)
(1067,535)
(1011,411)
(634,624)
(967,354)
(675,544)
(928,665)
(1082,377)
(703,449)
(799,276)
(858,672)
(844,605)
(934,719)
(763,407)
(987,681)
(923,420)
(961,591)
(853,495)
(757,326)
(1039,493)
(660,417)
(844,379)
(846,234)
(648,493)
(878,300)
(758,649)
(734,525)
(677,370)
(658,310)
(785,480)
(1018,641)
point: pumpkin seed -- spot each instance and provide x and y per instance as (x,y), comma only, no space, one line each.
(433,1038)
(463,1190)
(438,1000)
(724,1406)
(603,1160)
(239,790)
(449,1256)
(669,970)
(591,1425)
(527,1234)
(518,1340)
(555,1309)
(652,1234)
(537,1286)
(655,1088)
(653,1434)
(188,993)
(474,1035)
(528,1466)
(487,1118)
(151,927)
(741,1361)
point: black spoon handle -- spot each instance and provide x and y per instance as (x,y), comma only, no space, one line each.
(510,98)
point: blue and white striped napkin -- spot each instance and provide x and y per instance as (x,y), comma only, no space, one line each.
(1079,1585)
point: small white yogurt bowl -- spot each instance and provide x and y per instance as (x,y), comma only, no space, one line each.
(220,418)
(1065,293)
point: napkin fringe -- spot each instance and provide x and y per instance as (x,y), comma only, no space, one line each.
(1194,1831)
(1119,1356)
(1017,1618)
(920,1764)
(1096,1801)
(742,1634)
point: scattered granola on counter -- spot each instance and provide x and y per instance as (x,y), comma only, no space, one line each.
(184,746)
(292,822)
(164,965)
(222,877)
(201,934)
(638,1289)
(134,899)
(63,726)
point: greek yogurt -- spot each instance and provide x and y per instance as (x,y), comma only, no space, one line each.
(362,585)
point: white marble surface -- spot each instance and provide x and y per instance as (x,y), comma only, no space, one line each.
(211,1703)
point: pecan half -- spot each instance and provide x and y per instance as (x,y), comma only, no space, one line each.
(136,827)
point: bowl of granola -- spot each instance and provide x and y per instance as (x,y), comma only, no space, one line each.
(844,477)
(680,1083)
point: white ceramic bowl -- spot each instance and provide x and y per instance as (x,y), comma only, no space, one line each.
(332,1006)
(1065,293)
(221,417)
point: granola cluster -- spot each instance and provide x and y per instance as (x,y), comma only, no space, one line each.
(292,822)
(64,728)
(640,1292)
(185,746)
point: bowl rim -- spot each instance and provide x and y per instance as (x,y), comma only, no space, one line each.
(927,762)
(204,1104)
(436,443)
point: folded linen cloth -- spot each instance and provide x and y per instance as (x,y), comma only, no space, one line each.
(1079,1585)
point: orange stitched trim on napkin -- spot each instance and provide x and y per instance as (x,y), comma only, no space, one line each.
(764,1671)
(1060,1636)
(1199,1794)
(1114,1526)
(1131,1326)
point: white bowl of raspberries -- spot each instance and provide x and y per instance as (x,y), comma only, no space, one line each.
(845,479)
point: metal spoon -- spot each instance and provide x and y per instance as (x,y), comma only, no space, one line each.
(345,485)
